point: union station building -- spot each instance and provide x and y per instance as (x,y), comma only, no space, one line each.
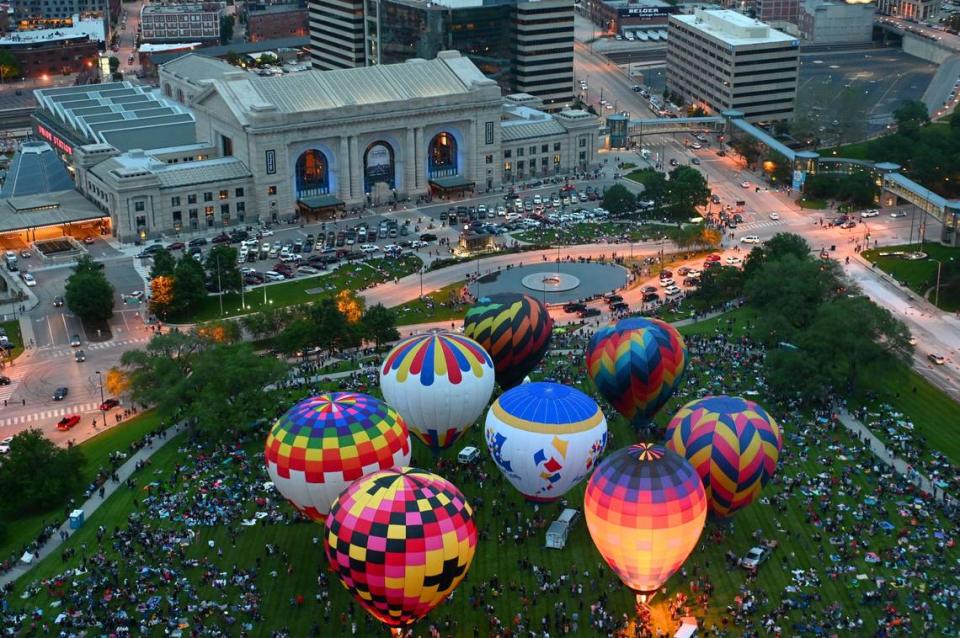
(216,145)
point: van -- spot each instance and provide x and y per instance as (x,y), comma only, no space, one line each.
(468,455)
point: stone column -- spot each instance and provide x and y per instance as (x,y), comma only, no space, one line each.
(410,163)
(356,171)
(470,171)
(344,186)
(419,157)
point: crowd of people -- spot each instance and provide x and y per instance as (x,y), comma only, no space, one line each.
(856,550)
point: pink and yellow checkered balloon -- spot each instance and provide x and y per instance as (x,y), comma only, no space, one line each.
(400,541)
(326,442)
(645,508)
(732,443)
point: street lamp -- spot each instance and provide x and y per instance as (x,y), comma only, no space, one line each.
(936,290)
(103,413)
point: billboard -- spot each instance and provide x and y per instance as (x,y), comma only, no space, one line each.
(645,12)
(378,165)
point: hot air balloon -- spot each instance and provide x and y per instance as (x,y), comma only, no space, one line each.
(645,507)
(545,438)
(732,443)
(636,365)
(515,329)
(326,442)
(439,383)
(400,541)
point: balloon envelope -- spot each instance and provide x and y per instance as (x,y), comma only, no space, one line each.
(636,365)
(400,541)
(439,383)
(515,329)
(645,508)
(326,442)
(732,443)
(545,438)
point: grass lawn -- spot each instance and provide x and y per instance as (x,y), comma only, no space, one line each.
(97,452)
(12,330)
(439,305)
(920,275)
(809,202)
(783,515)
(356,275)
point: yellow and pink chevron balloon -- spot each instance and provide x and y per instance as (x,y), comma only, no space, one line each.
(733,444)
(637,364)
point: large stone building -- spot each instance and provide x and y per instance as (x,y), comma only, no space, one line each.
(526,46)
(723,60)
(837,22)
(916,10)
(60,47)
(778,11)
(267,147)
(273,21)
(180,22)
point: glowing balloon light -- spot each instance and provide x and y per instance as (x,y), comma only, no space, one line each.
(324,443)
(400,541)
(732,443)
(645,507)
(439,383)
(515,329)
(545,438)
(636,365)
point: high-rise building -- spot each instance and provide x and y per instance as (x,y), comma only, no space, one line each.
(526,46)
(723,60)
(180,22)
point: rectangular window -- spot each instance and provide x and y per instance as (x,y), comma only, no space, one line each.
(271,162)
(238,192)
(139,206)
(507,153)
(224,209)
(489,159)
(545,148)
(141,222)
(177,221)
(208,211)
(506,166)
(556,147)
(193,213)
(224,194)
(192,199)
(519,152)
(556,160)
(583,156)
(544,161)
(533,150)
(208,196)
(241,207)
(488,133)
(520,165)
(226,145)
(271,190)
(175,201)
(583,142)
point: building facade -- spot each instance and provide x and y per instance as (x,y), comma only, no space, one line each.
(274,21)
(611,16)
(778,11)
(723,60)
(524,46)
(51,10)
(918,10)
(837,22)
(180,22)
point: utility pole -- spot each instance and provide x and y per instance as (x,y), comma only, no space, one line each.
(219,287)
(103,413)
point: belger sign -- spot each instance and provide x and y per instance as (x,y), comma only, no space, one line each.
(646,12)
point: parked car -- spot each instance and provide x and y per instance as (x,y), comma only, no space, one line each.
(60,394)
(109,404)
(222,238)
(199,241)
(650,297)
(574,306)
(68,422)
(588,312)
(177,245)
(619,306)
(4,380)
(272,275)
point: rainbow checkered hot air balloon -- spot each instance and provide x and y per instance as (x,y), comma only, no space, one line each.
(324,443)
(636,365)
(439,383)
(732,443)
(645,508)
(400,541)
(515,329)
(545,438)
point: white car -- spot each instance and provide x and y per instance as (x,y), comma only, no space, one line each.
(390,247)
(733,260)
(696,145)
(266,232)
(369,248)
(28,279)
(4,449)
(272,275)
(750,239)
(308,270)
(672,291)
(537,199)
(873,212)
(501,211)
(744,184)
(694,273)
(667,283)
(775,216)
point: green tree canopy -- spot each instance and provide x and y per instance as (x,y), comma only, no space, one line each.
(9,66)
(619,200)
(163,264)
(687,190)
(88,293)
(222,270)
(25,492)
(654,184)
(188,285)
(910,116)
(379,324)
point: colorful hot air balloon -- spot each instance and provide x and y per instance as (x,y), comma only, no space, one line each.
(732,443)
(326,442)
(439,383)
(400,541)
(515,329)
(545,438)
(645,508)
(636,365)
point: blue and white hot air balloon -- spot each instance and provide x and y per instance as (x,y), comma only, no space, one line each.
(545,438)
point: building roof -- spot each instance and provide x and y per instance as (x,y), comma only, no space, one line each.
(138,163)
(175,8)
(447,75)
(733,28)
(274,9)
(121,114)
(526,129)
(196,67)
(91,29)
(34,211)
(35,170)
(239,48)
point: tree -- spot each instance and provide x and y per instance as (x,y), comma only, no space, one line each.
(117,381)
(619,200)
(350,305)
(654,184)
(222,270)
(188,286)
(114,63)
(25,493)
(269,321)
(222,331)
(161,295)
(234,58)
(9,66)
(688,189)
(747,147)
(788,291)
(88,293)
(163,264)
(779,168)
(718,286)
(226,28)
(380,324)
(910,116)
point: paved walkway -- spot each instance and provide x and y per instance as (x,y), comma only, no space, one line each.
(92,504)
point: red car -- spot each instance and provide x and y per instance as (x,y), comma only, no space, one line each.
(177,245)
(222,238)
(88,240)
(109,404)
(713,257)
(665,274)
(68,422)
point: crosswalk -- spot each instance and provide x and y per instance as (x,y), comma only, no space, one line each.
(7,391)
(758,225)
(59,350)
(44,415)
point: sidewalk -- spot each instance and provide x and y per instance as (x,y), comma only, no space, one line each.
(92,504)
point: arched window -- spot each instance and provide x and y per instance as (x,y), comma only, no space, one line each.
(180,96)
(313,176)
(379,166)
(167,90)
(442,154)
